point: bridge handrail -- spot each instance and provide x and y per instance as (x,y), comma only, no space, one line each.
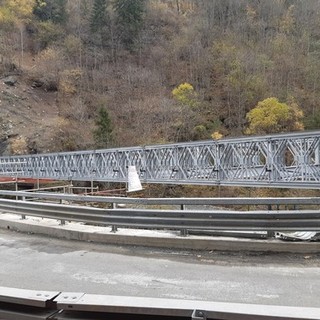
(26,304)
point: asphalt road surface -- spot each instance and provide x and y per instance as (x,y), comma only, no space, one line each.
(41,263)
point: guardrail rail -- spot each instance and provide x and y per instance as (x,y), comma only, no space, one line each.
(176,219)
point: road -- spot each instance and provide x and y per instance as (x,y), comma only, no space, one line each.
(41,263)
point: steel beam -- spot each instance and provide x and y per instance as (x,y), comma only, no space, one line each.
(286,220)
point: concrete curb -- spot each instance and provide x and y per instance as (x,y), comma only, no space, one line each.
(157,239)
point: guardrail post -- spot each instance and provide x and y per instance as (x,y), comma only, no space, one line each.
(23,216)
(183,232)
(69,187)
(270,234)
(62,222)
(16,187)
(114,228)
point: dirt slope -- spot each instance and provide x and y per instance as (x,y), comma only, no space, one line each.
(28,117)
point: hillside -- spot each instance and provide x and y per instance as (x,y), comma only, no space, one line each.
(28,117)
(68,60)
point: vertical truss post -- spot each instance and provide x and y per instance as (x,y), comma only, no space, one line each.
(317,155)
(269,160)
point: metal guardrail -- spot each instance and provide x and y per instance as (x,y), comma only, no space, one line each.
(303,201)
(30,304)
(284,220)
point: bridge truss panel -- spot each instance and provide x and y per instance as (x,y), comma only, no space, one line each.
(287,160)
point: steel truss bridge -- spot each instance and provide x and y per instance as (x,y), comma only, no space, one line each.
(285,160)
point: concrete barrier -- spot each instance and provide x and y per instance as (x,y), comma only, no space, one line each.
(150,238)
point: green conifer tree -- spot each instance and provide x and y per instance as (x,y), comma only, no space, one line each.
(54,10)
(99,16)
(103,134)
(129,19)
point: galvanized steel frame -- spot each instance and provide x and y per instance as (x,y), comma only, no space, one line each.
(286,160)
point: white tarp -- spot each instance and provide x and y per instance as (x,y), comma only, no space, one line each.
(297,235)
(134,183)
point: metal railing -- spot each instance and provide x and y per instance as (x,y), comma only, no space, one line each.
(212,219)
(30,304)
(243,201)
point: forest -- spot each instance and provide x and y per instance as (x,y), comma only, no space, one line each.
(138,72)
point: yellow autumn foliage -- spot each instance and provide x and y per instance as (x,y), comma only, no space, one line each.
(185,94)
(20,8)
(216,135)
(5,16)
(272,116)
